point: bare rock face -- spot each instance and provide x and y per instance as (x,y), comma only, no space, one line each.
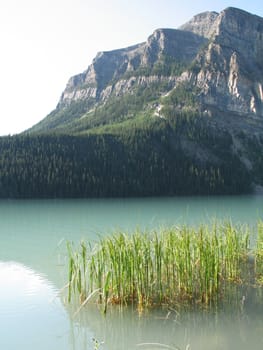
(203,24)
(231,68)
(99,80)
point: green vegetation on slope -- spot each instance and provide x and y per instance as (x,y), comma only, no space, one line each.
(152,157)
(84,114)
(165,66)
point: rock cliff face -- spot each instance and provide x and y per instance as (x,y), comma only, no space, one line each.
(220,55)
(230,72)
(114,72)
(203,24)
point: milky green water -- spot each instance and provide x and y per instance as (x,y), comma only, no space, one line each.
(33,268)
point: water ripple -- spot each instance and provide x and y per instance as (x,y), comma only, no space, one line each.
(22,290)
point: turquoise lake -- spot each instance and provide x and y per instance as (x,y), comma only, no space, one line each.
(33,269)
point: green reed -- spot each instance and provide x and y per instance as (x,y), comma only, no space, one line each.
(176,265)
(259,254)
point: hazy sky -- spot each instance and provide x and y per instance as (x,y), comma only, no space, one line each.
(44,42)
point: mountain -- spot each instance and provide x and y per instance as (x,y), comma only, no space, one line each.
(181,113)
(218,54)
(125,72)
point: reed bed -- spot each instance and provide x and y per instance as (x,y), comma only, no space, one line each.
(177,265)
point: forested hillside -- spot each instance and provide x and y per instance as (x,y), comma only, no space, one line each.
(148,158)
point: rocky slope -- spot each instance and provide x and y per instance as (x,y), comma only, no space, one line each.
(230,71)
(115,72)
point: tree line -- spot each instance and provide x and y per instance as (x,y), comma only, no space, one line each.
(157,158)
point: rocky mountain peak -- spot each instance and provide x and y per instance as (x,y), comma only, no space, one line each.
(231,68)
(203,24)
(238,26)
(108,67)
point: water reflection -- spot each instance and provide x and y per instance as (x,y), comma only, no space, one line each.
(31,317)
(228,329)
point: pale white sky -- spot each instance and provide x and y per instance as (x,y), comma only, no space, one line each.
(44,42)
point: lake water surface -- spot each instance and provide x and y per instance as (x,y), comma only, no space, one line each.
(33,269)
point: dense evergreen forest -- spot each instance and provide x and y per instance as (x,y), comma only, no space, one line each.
(156,156)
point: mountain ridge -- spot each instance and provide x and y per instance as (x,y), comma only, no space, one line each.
(202,52)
